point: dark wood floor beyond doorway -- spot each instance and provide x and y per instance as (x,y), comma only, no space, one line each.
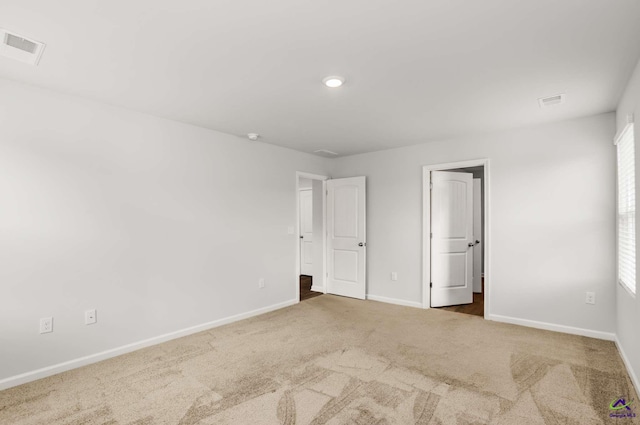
(305,288)
(476,308)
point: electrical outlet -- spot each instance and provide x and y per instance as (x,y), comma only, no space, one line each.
(46,325)
(261,282)
(90,317)
(591,298)
(394,276)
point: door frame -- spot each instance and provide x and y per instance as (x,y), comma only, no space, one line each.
(426,228)
(323,266)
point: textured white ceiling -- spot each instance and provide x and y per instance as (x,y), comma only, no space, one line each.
(416,70)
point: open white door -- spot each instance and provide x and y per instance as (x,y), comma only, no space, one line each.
(306,232)
(346,238)
(452,238)
(477,236)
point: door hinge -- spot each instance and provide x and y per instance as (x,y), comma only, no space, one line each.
(430,284)
(430,185)
(431,235)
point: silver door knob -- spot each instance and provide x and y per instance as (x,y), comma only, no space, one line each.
(360,244)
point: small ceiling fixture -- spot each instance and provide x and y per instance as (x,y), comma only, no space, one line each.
(552,100)
(253,136)
(333,81)
(20,48)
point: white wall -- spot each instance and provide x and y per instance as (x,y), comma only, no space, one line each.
(162,226)
(628,308)
(158,225)
(552,230)
(304,183)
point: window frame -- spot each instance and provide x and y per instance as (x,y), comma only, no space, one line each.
(628,132)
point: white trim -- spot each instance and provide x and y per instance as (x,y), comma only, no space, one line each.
(394,301)
(323,272)
(634,378)
(23,378)
(608,336)
(628,127)
(426,227)
(426,238)
(317,288)
(311,176)
(626,288)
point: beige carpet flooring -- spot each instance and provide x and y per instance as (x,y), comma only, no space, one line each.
(333,360)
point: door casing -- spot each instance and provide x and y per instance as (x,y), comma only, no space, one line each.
(426,228)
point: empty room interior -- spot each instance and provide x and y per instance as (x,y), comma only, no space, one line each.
(297,212)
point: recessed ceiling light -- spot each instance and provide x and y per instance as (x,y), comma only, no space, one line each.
(253,136)
(333,81)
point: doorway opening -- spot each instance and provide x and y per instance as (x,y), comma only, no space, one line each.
(331,241)
(311,235)
(455,240)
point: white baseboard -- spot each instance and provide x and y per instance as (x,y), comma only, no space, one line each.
(609,336)
(317,288)
(394,301)
(627,364)
(23,378)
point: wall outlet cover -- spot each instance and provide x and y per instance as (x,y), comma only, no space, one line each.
(591,298)
(46,325)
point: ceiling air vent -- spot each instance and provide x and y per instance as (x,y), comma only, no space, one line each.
(552,100)
(325,153)
(20,48)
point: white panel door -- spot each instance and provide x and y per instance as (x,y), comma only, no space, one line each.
(452,238)
(477,236)
(306,232)
(346,237)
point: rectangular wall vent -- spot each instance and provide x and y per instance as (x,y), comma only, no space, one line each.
(552,100)
(21,43)
(20,48)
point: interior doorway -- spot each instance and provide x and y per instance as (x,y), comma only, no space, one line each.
(310,235)
(455,237)
(331,242)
